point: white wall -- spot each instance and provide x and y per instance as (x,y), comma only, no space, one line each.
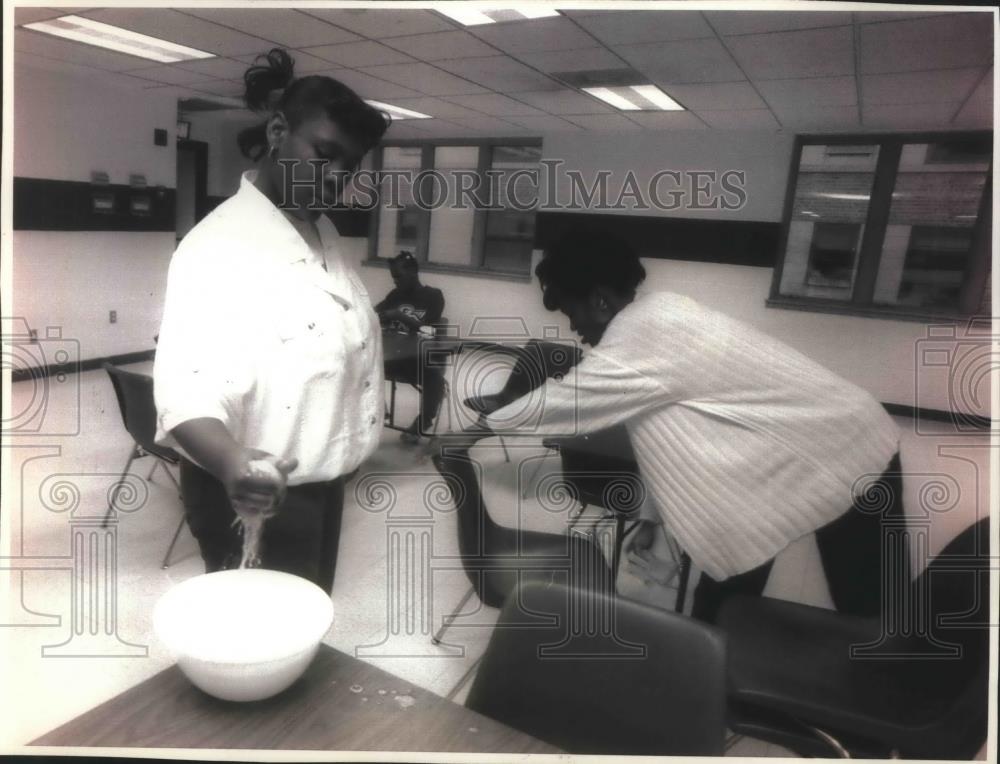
(65,126)
(225,163)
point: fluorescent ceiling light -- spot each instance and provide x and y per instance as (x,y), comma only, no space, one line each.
(471,17)
(612,97)
(92,32)
(398,112)
(657,97)
(636,98)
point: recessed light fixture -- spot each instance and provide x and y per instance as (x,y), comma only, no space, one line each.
(397,112)
(635,98)
(92,32)
(471,17)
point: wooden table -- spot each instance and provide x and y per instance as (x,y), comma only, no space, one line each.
(319,712)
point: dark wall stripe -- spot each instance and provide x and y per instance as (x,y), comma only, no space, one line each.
(731,242)
(18,375)
(65,205)
(964,421)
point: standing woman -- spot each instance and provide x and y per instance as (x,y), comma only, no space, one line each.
(269,347)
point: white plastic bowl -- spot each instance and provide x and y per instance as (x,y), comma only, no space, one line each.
(243,634)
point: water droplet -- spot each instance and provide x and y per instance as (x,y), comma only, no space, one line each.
(405,701)
(357,688)
(381,692)
(473,729)
(364,700)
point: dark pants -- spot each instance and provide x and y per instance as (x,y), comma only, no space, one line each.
(302,538)
(851,551)
(431,381)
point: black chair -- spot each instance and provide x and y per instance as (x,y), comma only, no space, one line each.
(138,409)
(648,682)
(602,471)
(497,558)
(912,683)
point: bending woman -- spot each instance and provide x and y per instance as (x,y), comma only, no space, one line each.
(269,347)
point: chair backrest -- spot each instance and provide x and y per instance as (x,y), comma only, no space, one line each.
(536,362)
(651,684)
(135,400)
(598,465)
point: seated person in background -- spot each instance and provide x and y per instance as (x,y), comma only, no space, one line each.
(412,308)
(744,444)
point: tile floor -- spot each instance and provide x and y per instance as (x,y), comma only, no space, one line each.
(79,444)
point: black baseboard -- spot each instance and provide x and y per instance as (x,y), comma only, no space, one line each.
(18,375)
(967,421)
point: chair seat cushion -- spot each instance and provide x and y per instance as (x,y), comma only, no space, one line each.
(796,659)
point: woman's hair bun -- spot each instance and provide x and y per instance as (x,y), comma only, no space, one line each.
(272,71)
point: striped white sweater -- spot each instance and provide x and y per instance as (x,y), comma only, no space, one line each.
(743,443)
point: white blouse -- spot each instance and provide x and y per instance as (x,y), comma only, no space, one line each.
(256,333)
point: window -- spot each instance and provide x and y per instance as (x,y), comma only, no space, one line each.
(893,225)
(488,230)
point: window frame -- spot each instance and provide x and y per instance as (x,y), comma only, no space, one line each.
(476,267)
(869,257)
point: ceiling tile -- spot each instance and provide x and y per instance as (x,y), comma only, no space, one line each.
(667,120)
(875,17)
(751,119)
(572,60)
(305,63)
(31,15)
(228,88)
(717,96)
(501,73)
(217,68)
(818,91)
(604,122)
(169,75)
(646,26)
(493,125)
(182,29)
(545,123)
(565,102)
(494,104)
(425,79)
(947,41)
(904,116)
(76,52)
(818,117)
(918,87)
(359,54)
(367,86)
(437,46)
(683,61)
(378,24)
(756,22)
(436,107)
(811,53)
(289,28)
(545,34)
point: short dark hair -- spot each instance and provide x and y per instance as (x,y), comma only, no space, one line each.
(271,85)
(581,261)
(406,260)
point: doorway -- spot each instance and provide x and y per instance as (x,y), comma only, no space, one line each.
(192,184)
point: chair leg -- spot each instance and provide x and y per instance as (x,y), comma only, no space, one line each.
(149,475)
(447,620)
(133,455)
(471,672)
(172,478)
(506,454)
(534,475)
(682,585)
(166,558)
